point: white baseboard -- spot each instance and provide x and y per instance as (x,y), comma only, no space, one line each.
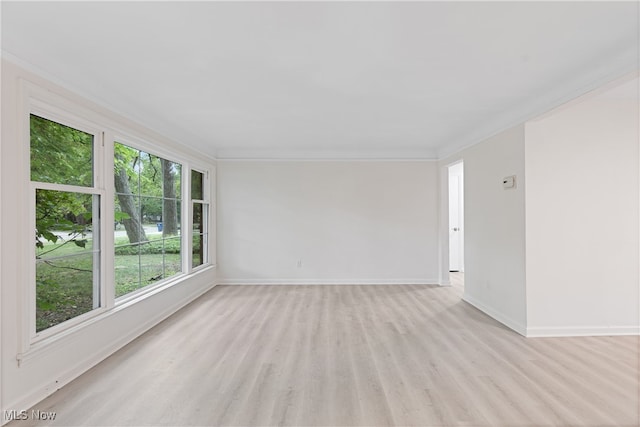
(495,314)
(223,281)
(573,331)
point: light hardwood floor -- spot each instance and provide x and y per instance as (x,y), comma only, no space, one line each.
(351,355)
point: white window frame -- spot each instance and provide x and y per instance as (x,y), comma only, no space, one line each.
(57,115)
(206,201)
(142,145)
(34,99)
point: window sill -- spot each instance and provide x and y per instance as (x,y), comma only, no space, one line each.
(63,337)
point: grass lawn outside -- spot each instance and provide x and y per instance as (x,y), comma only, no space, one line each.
(64,274)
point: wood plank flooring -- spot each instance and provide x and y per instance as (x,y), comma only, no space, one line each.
(351,356)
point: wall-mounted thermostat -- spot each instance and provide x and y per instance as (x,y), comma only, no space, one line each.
(509,182)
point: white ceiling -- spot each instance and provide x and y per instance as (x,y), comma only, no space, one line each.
(328,79)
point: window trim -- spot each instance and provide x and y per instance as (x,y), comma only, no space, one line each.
(106,129)
(123,299)
(52,113)
(206,196)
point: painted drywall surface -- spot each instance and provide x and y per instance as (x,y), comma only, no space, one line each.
(57,362)
(582,219)
(494,227)
(327,222)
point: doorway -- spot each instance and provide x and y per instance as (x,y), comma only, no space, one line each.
(456,223)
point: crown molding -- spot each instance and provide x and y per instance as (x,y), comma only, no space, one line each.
(618,66)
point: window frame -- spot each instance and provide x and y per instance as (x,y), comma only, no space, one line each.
(142,145)
(106,130)
(206,201)
(50,112)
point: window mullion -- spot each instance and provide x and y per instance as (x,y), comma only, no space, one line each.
(187,208)
(107,241)
(64,187)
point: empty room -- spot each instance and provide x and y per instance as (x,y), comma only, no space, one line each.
(320,213)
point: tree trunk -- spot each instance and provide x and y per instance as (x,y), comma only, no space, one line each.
(132,225)
(169,203)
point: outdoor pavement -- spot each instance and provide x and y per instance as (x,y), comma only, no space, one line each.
(149,230)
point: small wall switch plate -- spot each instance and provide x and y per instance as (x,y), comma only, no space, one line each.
(509,182)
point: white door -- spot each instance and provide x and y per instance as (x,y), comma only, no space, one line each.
(456,236)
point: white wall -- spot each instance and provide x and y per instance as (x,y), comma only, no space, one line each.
(51,363)
(494,227)
(582,219)
(346,221)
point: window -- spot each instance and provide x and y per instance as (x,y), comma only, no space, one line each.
(200,210)
(83,185)
(67,222)
(147,219)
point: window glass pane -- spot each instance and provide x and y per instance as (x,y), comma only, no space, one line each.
(68,243)
(172,258)
(64,289)
(196,185)
(197,257)
(170,217)
(198,225)
(199,249)
(151,208)
(128,227)
(151,262)
(127,169)
(151,175)
(199,220)
(172,178)
(67,260)
(179,212)
(60,154)
(127,269)
(147,213)
(63,222)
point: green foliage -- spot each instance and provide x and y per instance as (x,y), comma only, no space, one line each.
(64,247)
(171,246)
(64,263)
(62,211)
(147,182)
(196,185)
(143,170)
(60,154)
(63,293)
(126,158)
(120,216)
(150,207)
